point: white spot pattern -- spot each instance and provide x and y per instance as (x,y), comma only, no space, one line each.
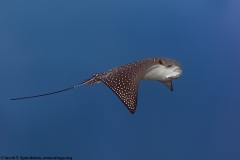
(124,81)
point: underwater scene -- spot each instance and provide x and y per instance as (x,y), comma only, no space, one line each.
(150,80)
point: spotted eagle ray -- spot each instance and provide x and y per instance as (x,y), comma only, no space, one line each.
(124,80)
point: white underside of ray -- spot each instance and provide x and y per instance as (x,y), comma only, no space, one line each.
(161,73)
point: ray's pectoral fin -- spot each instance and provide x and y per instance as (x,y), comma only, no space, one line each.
(128,95)
(125,89)
(168,84)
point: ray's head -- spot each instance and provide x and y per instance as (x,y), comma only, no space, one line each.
(172,68)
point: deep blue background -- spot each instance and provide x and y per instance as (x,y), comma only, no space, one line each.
(51,45)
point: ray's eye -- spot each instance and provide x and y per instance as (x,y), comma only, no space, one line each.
(161,62)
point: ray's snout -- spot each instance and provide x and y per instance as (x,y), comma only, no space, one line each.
(177,72)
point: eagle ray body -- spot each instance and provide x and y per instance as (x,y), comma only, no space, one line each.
(124,80)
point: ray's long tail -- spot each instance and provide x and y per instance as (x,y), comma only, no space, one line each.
(90,81)
(46,94)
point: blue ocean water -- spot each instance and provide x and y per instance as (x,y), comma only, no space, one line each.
(51,45)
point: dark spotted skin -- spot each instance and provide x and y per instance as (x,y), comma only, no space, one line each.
(124,80)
